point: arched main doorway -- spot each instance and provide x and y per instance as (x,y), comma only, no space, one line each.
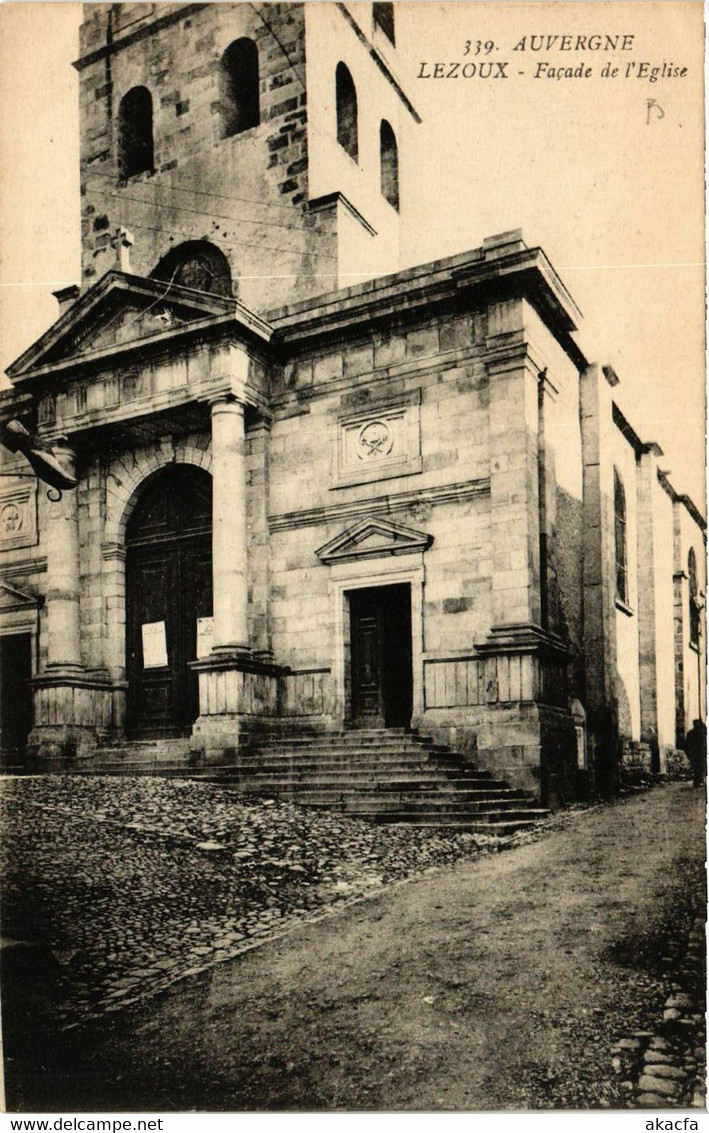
(168,591)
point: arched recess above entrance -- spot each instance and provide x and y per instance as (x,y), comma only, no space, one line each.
(197,264)
(126,479)
(174,501)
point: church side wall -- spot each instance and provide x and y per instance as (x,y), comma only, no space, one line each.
(482,569)
(662,567)
(627,675)
(689,660)
(563,473)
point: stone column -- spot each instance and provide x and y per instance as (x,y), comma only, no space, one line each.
(235,685)
(229,533)
(62,526)
(71,708)
(258,437)
(114,597)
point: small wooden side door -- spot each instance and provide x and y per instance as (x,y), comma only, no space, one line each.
(381,656)
(367,660)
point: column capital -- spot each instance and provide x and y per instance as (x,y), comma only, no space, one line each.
(114,551)
(226,401)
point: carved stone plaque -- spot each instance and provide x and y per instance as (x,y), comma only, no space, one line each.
(18,516)
(377,443)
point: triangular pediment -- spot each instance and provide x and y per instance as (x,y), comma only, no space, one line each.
(119,312)
(12,598)
(374,538)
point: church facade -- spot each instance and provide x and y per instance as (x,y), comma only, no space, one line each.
(304,503)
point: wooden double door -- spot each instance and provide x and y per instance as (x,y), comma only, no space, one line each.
(168,597)
(380,656)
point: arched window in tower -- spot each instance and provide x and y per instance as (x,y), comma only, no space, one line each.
(693,599)
(239,87)
(621,540)
(135,133)
(346,104)
(389,164)
(384,18)
(196,264)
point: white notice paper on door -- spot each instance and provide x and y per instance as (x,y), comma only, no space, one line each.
(154,645)
(205,637)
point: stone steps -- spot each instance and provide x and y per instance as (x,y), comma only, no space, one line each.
(298,768)
(493,817)
(359,781)
(401,810)
(384,776)
(347,742)
(378,774)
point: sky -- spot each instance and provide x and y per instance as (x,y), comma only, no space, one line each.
(604,172)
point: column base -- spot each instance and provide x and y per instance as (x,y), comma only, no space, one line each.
(236,690)
(73,711)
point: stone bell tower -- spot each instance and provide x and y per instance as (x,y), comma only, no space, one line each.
(257,150)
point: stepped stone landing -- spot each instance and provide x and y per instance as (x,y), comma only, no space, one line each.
(383,775)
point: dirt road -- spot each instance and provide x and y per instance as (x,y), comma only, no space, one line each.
(498,983)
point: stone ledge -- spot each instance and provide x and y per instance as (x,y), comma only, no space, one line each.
(523,637)
(243,661)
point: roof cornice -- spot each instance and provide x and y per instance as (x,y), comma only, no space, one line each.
(682,498)
(525,272)
(210,312)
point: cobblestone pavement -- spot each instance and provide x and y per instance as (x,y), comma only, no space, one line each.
(127,884)
(666,1067)
(566,974)
(576,962)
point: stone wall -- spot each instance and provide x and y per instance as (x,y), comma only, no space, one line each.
(440,375)
(429,383)
(662,569)
(690,676)
(332,38)
(246,193)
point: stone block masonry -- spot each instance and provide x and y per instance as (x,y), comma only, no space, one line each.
(254,175)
